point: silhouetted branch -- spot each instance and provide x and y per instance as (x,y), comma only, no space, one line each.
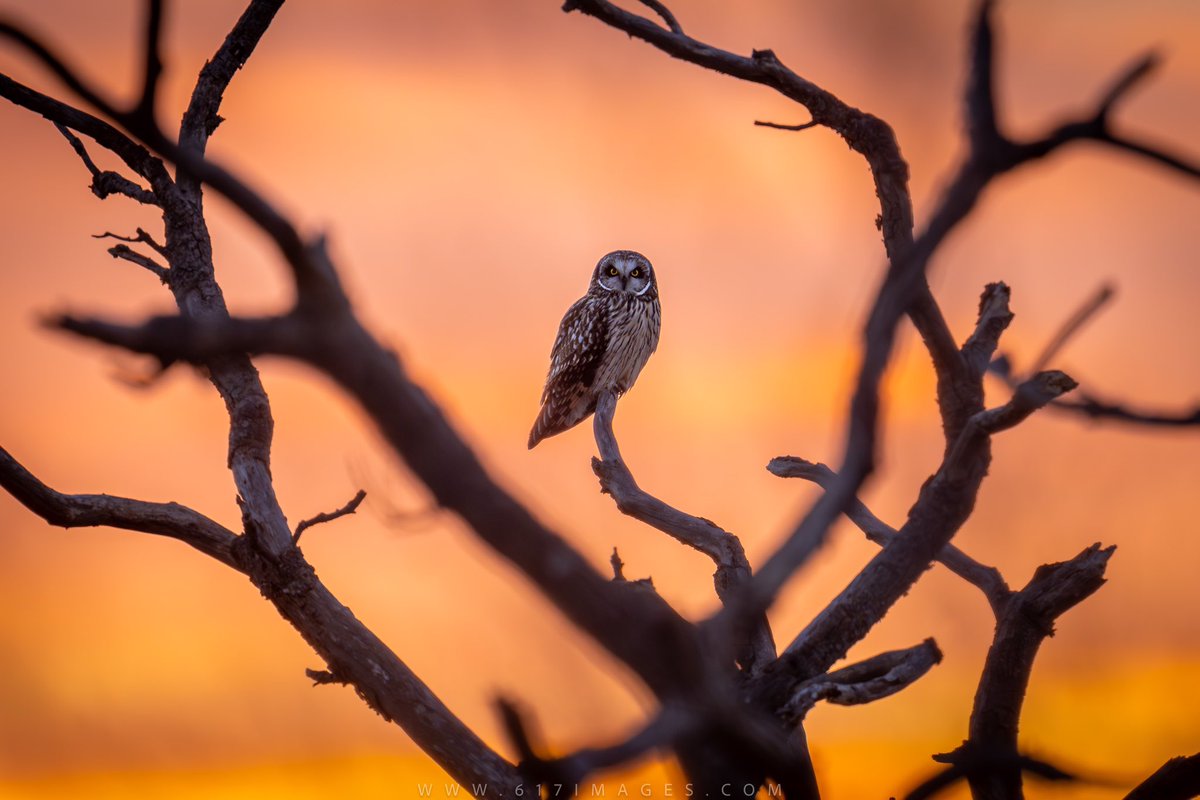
(803,126)
(994,319)
(1178,779)
(1026,621)
(618,566)
(89,510)
(723,725)
(152,65)
(570,771)
(904,290)
(987,579)
(1072,326)
(135,156)
(1096,127)
(722,547)
(145,262)
(982,129)
(945,501)
(1089,406)
(201,119)
(865,682)
(141,237)
(265,552)
(1084,402)
(330,516)
(665,13)
(105,183)
(979,765)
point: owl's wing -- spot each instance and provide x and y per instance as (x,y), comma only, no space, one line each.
(581,342)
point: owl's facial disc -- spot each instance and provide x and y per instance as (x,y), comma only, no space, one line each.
(624,271)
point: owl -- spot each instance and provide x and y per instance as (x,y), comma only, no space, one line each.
(603,342)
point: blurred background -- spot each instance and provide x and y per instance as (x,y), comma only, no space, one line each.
(470,161)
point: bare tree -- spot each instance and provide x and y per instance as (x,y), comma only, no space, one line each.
(729,705)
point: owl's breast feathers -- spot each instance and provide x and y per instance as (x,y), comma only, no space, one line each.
(633,328)
(603,343)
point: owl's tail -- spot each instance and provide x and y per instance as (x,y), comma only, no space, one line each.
(553,420)
(561,412)
(542,427)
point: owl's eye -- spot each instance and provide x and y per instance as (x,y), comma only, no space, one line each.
(612,271)
(637,273)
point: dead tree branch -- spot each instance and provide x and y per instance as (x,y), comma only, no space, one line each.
(265,552)
(1072,325)
(330,516)
(126,253)
(980,764)
(1178,779)
(201,119)
(91,510)
(1025,622)
(724,548)
(987,579)
(105,183)
(638,627)
(945,501)
(803,126)
(1093,408)
(865,682)
(141,237)
(1084,403)
(571,770)
(726,725)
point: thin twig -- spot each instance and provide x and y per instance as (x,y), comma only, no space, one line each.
(141,237)
(1069,328)
(329,516)
(665,13)
(1085,403)
(618,566)
(146,262)
(107,182)
(1094,408)
(803,126)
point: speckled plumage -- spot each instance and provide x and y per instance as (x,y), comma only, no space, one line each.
(603,342)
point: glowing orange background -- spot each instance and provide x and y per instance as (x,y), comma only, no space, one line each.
(471,160)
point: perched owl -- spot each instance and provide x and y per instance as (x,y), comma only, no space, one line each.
(603,342)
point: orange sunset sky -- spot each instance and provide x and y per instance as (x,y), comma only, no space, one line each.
(470,161)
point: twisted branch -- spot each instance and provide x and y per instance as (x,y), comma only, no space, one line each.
(865,682)
(701,534)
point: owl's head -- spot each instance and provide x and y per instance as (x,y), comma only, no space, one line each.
(624,271)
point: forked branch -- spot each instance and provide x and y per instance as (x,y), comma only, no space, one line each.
(987,579)
(1025,622)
